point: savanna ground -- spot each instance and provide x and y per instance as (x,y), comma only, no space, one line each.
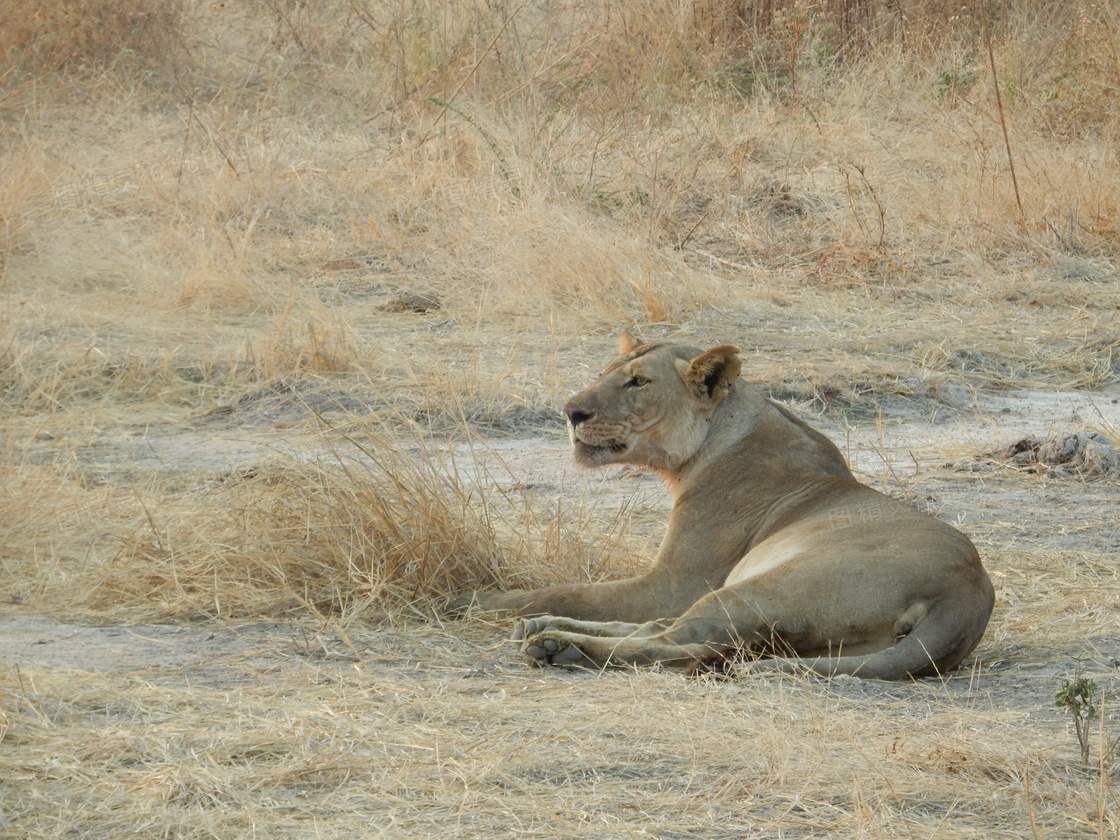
(290,296)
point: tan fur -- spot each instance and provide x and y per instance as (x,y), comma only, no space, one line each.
(773,549)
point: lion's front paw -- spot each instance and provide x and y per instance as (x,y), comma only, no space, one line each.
(544,644)
(526,627)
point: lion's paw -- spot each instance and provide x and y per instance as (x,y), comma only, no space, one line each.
(526,627)
(544,644)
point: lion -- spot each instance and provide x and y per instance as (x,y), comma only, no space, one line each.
(774,552)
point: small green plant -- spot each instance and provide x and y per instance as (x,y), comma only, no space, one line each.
(1076,697)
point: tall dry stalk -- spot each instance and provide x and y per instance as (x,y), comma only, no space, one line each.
(1002,118)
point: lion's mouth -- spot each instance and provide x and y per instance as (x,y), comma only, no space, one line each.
(595,453)
(613,446)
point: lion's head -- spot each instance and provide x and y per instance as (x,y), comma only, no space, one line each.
(652,404)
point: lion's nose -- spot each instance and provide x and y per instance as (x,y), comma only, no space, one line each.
(576,415)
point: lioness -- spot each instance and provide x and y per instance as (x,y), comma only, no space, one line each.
(773,548)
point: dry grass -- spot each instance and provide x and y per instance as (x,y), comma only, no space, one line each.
(376,524)
(214,407)
(89,35)
(314,738)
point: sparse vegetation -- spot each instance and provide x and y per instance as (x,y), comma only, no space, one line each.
(1077,697)
(224,395)
(1081,698)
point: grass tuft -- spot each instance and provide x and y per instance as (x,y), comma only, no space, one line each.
(375,525)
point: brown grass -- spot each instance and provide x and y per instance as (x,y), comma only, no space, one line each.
(375,524)
(214,407)
(403,788)
(333,734)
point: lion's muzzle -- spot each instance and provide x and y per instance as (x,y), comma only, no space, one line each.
(577,415)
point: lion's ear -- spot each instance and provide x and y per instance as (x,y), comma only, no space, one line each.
(711,373)
(627,342)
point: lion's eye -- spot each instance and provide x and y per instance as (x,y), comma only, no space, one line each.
(636,382)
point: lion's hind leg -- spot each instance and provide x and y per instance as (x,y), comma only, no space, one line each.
(554,640)
(936,646)
(551,641)
(614,629)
